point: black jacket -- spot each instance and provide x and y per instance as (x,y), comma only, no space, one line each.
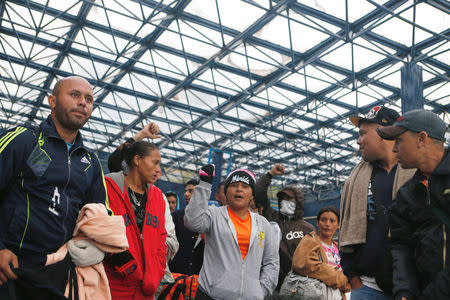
(189,258)
(292,230)
(420,240)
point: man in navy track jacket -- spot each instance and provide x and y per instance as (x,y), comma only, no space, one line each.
(47,176)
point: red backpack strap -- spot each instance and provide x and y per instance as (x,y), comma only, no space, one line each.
(179,291)
(192,286)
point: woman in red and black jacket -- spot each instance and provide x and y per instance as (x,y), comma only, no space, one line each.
(136,273)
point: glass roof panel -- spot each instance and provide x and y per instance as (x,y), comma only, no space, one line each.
(238,14)
(444,57)
(336,8)
(358,9)
(166,64)
(266,81)
(327,26)
(204,34)
(296,79)
(124,20)
(276,32)
(204,9)
(341,56)
(439,21)
(70,7)
(402,35)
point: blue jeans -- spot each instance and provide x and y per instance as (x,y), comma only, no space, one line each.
(366,293)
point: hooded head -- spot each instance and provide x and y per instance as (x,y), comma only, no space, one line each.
(297,195)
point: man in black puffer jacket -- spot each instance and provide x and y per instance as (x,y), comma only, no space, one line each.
(419,215)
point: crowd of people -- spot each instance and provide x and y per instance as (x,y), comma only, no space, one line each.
(68,231)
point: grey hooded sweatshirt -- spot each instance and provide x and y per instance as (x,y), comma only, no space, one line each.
(224,274)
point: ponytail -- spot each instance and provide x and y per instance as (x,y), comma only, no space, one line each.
(141,148)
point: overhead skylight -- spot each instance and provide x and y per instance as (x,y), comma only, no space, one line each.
(267,81)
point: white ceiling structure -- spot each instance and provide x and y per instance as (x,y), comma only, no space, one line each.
(267,81)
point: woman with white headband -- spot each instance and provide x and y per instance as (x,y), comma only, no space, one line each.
(241,252)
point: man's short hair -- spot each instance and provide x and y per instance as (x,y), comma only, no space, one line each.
(438,142)
(57,87)
(222,183)
(171,194)
(193,181)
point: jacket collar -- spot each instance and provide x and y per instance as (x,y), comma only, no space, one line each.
(443,168)
(119,179)
(49,129)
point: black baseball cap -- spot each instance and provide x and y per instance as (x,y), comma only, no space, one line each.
(378,114)
(416,121)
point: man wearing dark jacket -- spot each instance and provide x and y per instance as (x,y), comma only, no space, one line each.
(289,217)
(47,176)
(420,214)
(365,198)
(189,258)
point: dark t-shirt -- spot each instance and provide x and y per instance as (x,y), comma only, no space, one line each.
(189,258)
(367,257)
(138,202)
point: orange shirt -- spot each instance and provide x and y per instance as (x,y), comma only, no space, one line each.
(243,231)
